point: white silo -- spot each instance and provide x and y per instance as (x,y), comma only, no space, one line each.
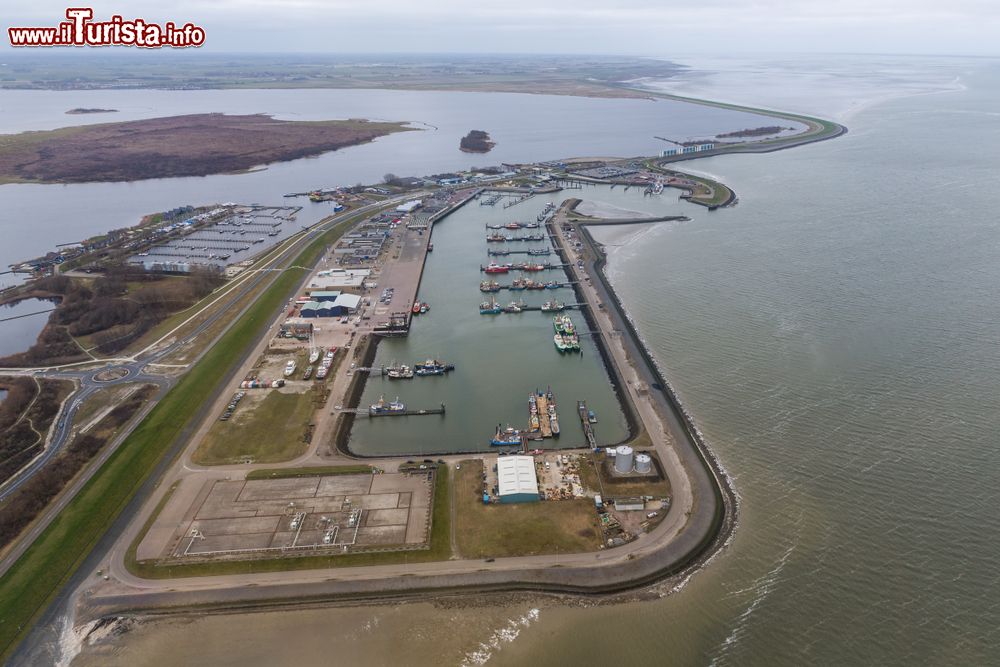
(624,460)
(643,464)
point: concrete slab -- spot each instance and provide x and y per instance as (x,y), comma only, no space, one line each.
(416,525)
(381,535)
(381,501)
(345,485)
(267,489)
(387,517)
(213,527)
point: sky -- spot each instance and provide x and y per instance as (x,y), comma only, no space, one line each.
(626,27)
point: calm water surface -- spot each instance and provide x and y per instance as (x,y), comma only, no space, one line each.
(21,322)
(836,337)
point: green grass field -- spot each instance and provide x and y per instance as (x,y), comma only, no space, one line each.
(35,579)
(317,471)
(267,432)
(520,529)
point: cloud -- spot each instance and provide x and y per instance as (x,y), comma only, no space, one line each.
(597,26)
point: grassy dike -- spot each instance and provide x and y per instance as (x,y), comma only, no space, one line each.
(36,578)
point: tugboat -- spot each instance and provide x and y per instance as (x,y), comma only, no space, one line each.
(383,408)
(432,367)
(489,286)
(400,372)
(490,307)
(496,268)
(508,437)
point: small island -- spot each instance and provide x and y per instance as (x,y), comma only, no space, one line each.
(476,141)
(83,110)
(192,145)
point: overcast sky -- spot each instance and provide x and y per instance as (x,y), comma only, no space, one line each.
(646,27)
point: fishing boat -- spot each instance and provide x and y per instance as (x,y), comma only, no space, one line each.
(508,437)
(553,307)
(532,267)
(424,307)
(513,225)
(416,307)
(400,372)
(533,285)
(495,238)
(539,251)
(498,253)
(489,286)
(432,367)
(552,284)
(490,307)
(493,267)
(381,407)
(518,284)
(591,417)
(514,307)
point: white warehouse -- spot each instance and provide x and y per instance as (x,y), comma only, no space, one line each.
(516,479)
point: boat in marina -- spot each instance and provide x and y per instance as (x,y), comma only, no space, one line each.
(489,286)
(381,407)
(553,307)
(399,372)
(539,251)
(493,267)
(514,307)
(416,308)
(552,284)
(591,417)
(513,225)
(432,367)
(496,238)
(490,307)
(563,324)
(518,284)
(508,437)
(498,253)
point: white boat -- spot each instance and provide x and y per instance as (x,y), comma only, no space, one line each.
(289,368)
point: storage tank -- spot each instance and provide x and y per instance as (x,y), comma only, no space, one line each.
(623,460)
(643,463)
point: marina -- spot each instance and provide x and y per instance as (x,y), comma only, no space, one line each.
(478,333)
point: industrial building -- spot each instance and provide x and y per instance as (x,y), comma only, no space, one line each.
(342,304)
(409,207)
(516,479)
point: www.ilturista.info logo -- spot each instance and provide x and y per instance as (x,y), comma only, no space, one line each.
(80,30)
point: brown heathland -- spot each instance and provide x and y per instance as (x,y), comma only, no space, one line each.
(193,145)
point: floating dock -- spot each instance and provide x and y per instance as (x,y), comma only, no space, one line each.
(588,428)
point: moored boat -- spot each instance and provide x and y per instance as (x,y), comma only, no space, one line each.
(382,407)
(508,437)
